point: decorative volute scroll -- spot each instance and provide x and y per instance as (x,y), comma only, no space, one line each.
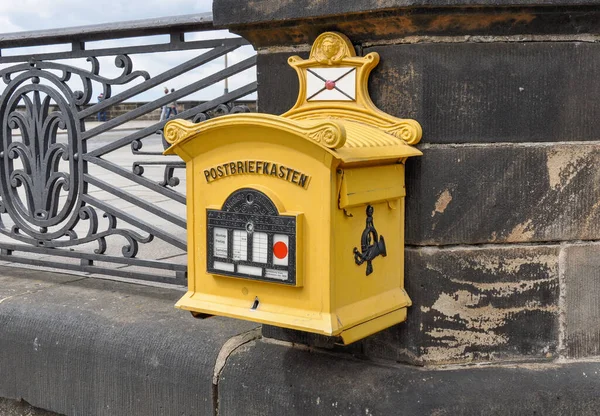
(178,129)
(334,81)
(329,134)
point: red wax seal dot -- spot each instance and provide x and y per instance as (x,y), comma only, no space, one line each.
(330,85)
(280,250)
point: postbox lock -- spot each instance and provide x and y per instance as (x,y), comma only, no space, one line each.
(370,245)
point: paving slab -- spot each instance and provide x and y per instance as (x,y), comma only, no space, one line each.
(16,281)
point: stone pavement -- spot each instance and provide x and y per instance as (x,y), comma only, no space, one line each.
(130,125)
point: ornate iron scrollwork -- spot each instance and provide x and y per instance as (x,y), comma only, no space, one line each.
(66,200)
(31,192)
(41,178)
(371,244)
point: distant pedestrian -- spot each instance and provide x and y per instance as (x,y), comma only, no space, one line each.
(163,110)
(172,110)
(101,113)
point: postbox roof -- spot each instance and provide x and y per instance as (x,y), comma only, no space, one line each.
(346,140)
(367,142)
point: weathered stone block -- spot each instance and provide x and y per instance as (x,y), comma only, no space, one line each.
(277,82)
(582,278)
(476,304)
(510,193)
(492,92)
(472,92)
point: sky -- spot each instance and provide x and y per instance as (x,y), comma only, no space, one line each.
(27,15)
(45,14)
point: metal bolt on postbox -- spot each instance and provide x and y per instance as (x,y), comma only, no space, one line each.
(298,220)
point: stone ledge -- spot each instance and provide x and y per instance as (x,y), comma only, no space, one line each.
(76,345)
(236,12)
(269,379)
(493,304)
(268,23)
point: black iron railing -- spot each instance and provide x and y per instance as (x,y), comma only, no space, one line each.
(99,197)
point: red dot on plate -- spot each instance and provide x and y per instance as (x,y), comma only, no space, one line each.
(329,85)
(280,250)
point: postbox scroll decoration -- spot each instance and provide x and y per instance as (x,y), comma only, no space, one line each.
(276,204)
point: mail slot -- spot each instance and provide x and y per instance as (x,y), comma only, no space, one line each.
(298,220)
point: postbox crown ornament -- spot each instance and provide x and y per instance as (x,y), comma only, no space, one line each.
(334,82)
(298,220)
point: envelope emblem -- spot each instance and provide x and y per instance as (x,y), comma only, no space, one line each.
(331,84)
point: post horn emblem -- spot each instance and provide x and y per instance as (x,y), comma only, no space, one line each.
(371,244)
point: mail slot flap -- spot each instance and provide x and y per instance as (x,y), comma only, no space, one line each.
(371,184)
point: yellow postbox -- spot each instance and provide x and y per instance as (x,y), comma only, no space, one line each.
(298,220)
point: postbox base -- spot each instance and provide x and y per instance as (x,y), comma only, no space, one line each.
(316,323)
(373,326)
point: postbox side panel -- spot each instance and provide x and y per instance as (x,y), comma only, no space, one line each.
(191,225)
(300,188)
(369,247)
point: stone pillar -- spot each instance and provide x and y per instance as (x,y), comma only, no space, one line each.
(503,209)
